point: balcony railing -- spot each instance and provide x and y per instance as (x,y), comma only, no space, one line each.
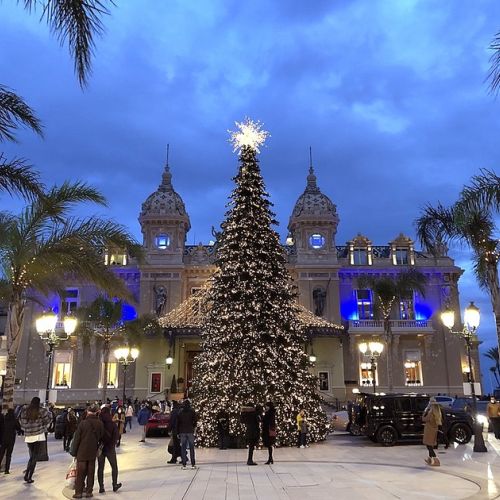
(397,325)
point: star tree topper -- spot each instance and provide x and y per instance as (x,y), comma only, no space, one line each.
(250,134)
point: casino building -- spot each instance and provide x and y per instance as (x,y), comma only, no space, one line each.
(338,315)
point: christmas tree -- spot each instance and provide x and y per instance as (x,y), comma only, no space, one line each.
(252,342)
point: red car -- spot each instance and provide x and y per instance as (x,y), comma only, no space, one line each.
(158,424)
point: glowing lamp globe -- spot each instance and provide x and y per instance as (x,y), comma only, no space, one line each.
(363,347)
(376,348)
(134,353)
(169,360)
(46,323)
(448,318)
(70,323)
(121,353)
(312,358)
(472,317)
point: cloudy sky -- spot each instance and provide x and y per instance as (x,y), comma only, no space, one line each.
(390,94)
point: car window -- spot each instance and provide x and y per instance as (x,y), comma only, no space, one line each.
(422,403)
(442,399)
(403,404)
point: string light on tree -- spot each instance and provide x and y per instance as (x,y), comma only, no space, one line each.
(249,134)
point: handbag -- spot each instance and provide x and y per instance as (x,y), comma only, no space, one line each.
(71,475)
(272,432)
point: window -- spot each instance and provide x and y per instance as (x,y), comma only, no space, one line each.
(61,376)
(360,257)
(324,383)
(401,257)
(364,304)
(403,404)
(116,259)
(413,368)
(366,375)
(155,386)
(317,241)
(111,376)
(406,307)
(70,302)
(162,241)
(422,404)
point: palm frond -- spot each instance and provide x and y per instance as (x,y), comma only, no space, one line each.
(494,73)
(78,22)
(410,281)
(435,226)
(492,353)
(14,112)
(483,193)
(17,176)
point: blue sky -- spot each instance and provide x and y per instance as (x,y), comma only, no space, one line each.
(390,95)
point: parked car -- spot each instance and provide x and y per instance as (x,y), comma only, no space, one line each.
(340,421)
(390,418)
(158,424)
(465,404)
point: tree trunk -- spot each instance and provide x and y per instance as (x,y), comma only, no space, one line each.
(388,338)
(494,290)
(105,352)
(14,335)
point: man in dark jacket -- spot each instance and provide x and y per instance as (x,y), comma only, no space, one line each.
(185,427)
(84,447)
(251,419)
(111,436)
(223,428)
(142,419)
(9,427)
(70,429)
(175,451)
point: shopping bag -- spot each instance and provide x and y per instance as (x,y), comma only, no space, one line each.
(42,455)
(71,475)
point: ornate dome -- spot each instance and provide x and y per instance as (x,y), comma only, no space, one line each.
(164,201)
(312,202)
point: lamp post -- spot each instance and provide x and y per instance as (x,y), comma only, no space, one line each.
(126,356)
(471,323)
(46,328)
(373,350)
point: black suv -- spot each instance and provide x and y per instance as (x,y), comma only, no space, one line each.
(388,418)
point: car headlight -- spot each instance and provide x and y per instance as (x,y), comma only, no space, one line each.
(483,420)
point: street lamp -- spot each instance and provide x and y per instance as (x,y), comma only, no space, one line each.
(46,328)
(471,323)
(126,356)
(373,350)
(169,360)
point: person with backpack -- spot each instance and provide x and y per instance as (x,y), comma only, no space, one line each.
(85,448)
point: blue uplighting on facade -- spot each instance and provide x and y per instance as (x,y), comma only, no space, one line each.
(128,312)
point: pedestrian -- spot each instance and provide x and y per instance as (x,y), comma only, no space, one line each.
(84,448)
(9,427)
(493,413)
(70,429)
(119,419)
(250,419)
(269,430)
(175,447)
(109,441)
(60,430)
(34,421)
(142,419)
(223,428)
(128,416)
(185,429)
(302,429)
(432,420)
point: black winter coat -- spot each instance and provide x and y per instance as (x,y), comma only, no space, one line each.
(268,422)
(251,420)
(186,421)
(88,435)
(111,433)
(9,427)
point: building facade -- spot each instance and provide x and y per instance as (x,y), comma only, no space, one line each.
(425,357)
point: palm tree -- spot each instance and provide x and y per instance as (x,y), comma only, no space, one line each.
(492,354)
(386,291)
(494,74)
(470,221)
(45,243)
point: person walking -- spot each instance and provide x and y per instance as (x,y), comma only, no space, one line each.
(142,419)
(34,421)
(109,441)
(84,448)
(493,413)
(251,420)
(432,420)
(9,427)
(185,428)
(70,429)
(269,430)
(119,419)
(175,449)
(223,428)
(302,429)
(129,413)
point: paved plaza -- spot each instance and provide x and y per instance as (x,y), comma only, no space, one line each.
(343,467)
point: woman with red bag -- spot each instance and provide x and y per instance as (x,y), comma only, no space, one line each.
(269,429)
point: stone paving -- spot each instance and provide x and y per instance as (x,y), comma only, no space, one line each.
(343,467)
